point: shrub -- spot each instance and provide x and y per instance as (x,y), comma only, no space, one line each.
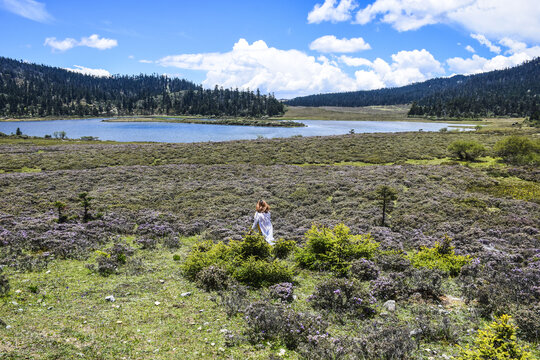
(147,243)
(386,195)
(390,287)
(213,278)
(518,150)
(176,257)
(253,245)
(204,255)
(4,285)
(393,261)
(266,321)
(426,282)
(334,249)
(106,265)
(259,273)
(528,322)
(234,300)
(441,257)
(387,340)
(364,270)
(282,248)
(496,341)
(467,150)
(342,296)
(282,291)
(433,325)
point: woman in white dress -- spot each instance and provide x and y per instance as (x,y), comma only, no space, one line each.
(262,220)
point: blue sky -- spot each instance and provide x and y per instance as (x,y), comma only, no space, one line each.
(287,47)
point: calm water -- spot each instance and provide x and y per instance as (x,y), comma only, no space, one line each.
(175,132)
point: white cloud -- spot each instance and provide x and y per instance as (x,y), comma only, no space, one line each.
(285,72)
(517,19)
(293,73)
(88,71)
(146,61)
(93,41)
(407,67)
(513,45)
(29,9)
(484,41)
(328,11)
(469,48)
(331,44)
(131,57)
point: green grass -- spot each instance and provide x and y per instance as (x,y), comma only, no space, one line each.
(512,187)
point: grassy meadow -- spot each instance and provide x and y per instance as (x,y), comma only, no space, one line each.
(158,211)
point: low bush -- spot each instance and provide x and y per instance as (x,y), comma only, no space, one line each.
(390,287)
(147,243)
(343,296)
(468,150)
(248,261)
(257,273)
(496,341)
(234,300)
(213,278)
(528,322)
(433,325)
(282,291)
(387,340)
(266,321)
(392,260)
(519,150)
(283,248)
(440,257)
(363,270)
(334,249)
(110,260)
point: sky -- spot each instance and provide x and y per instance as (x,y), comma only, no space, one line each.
(289,48)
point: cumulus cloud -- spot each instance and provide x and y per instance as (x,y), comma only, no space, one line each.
(469,48)
(331,44)
(92,41)
(482,40)
(519,52)
(256,65)
(406,67)
(518,19)
(88,71)
(329,11)
(29,9)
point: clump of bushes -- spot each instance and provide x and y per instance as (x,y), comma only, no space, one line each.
(528,321)
(440,257)
(496,341)
(266,321)
(363,270)
(387,340)
(147,243)
(393,261)
(213,278)
(343,296)
(110,260)
(282,291)
(334,249)
(283,248)
(425,282)
(467,150)
(519,150)
(248,261)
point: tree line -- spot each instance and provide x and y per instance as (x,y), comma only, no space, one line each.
(31,90)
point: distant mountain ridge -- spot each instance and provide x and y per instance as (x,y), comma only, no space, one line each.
(509,92)
(31,90)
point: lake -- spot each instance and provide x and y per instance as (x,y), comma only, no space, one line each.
(185,133)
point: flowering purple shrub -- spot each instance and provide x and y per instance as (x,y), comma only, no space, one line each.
(393,261)
(388,340)
(364,270)
(282,291)
(266,321)
(4,284)
(234,300)
(391,287)
(147,243)
(343,296)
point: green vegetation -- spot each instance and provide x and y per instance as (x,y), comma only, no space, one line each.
(386,195)
(218,121)
(518,150)
(466,150)
(497,341)
(334,249)
(440,257)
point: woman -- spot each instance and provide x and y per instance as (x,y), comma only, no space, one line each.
(262,218)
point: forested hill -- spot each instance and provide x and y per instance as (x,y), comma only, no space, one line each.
(30,90)
(510,92)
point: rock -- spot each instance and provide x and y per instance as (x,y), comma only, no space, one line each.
(8,327)
(185,294)
(415,332)
(162,281)
(157,303)
(110,298)
(223,331)
(119,322)
(384,313)
(221,349)
(390,306)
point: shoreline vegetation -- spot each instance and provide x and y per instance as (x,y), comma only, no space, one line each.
(210,121)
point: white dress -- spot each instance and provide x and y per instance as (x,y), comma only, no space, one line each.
(263,219)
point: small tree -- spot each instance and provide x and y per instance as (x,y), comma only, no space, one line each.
(386,195)
(59,135)
(467,150)
(60,206)
(85,200)
(18,132)
(518,150)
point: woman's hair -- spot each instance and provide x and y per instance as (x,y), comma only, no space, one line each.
(262,206)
